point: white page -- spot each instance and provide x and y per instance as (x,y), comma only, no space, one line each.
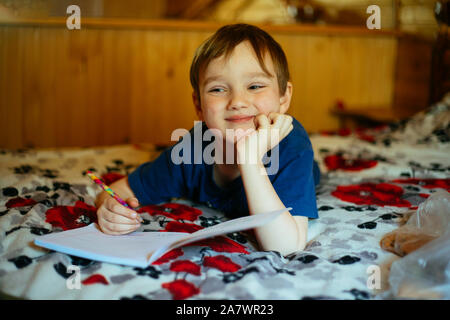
(139,249)
(91,243)
(239,224)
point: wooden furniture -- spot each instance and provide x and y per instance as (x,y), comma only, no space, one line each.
(440,74)
(368,117)
(125,81)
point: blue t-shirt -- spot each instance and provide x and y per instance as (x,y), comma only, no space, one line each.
(294,181)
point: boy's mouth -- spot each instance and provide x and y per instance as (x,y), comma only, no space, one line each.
(239,119)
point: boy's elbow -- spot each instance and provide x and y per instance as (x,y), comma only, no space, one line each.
(299,247)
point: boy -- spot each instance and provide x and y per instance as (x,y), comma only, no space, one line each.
(241,86)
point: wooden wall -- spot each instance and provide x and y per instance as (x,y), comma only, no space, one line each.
(124,81)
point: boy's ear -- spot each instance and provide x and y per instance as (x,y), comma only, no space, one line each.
(198,109)
(285,100)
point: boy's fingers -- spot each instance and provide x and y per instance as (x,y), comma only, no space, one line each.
(273,116)
(261,121)
(113,206)
(133,202)
(116,229)
(113,217)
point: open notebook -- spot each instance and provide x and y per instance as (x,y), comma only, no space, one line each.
(140,249)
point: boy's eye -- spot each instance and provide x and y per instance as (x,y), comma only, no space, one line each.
(217,90)
(256,86)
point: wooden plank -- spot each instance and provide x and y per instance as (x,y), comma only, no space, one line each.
(11,107)
(198,25)
(98,86)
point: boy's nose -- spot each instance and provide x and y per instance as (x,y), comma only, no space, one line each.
(238,100)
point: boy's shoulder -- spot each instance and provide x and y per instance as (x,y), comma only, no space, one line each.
(297,140)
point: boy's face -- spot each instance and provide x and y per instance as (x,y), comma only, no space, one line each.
(234,90)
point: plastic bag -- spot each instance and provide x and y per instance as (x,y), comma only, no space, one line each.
(430,221)
(425,272)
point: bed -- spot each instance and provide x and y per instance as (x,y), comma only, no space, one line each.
(371,179)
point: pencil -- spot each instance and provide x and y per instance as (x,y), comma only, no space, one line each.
(107,189)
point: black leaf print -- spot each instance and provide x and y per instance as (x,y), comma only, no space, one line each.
(368,225)
(405,174)
(235,276)
(135,297)
(388,216)
(411,188)
(39,231)
(61,185)
(150,271)
(347,260)
(237,236)
(10,192)
(325,208)
(43,188)
(21,261)
(289,272)
(47,203)
(77,261)
(318,298)
(12,230)
(387,142)
(359,295)
(23,169)
(307,258)
(61,269)
(352,208)
(49,173)
(373,224)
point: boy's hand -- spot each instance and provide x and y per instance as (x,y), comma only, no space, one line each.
(270,130)
(115,219)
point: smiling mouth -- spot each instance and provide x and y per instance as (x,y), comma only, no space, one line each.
(240,119)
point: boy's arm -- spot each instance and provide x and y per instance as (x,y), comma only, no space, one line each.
(287,233)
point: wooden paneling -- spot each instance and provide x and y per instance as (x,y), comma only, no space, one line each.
(413,68)
(121,81)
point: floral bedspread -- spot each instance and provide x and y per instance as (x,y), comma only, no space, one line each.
(371,178)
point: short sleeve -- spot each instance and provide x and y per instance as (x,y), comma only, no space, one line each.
(157,181)
(295,185)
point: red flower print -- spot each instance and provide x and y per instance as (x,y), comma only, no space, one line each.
(175,226)
(381,194)
(95,278)
(336,162)
(110,177)
(222,263)
(181,289)
(221,244)
(71,217)
(20,202)
(174,211)
(172,254)
(185,266)
(363,135)
(427,183)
